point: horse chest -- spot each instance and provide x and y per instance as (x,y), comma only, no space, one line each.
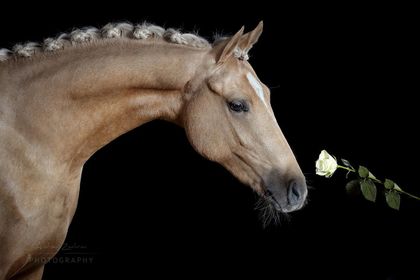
(36,221)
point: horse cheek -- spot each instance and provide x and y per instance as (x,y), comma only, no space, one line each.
(205,130)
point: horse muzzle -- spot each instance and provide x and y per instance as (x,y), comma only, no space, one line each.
(286,197)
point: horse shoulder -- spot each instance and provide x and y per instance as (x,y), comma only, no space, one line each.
(37,203)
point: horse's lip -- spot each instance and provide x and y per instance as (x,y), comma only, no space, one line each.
(277,206)
(272,199)
(269,195)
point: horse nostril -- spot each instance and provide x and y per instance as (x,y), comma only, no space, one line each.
(294,194)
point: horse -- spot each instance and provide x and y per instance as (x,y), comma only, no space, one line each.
(64,99)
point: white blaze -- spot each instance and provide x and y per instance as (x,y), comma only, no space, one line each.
(256,86)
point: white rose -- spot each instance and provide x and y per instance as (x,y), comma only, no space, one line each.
(326,164)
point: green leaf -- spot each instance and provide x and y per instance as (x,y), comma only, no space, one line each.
(368,190)
(393,199)
(389,184)
(353,186)
(346,163)
(363,172)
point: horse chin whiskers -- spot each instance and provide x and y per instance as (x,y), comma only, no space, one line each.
(269,212)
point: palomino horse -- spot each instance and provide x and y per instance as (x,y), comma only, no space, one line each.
(62,101)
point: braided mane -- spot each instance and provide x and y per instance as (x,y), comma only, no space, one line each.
(115,31)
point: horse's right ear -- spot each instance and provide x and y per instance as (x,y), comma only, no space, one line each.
(228,47)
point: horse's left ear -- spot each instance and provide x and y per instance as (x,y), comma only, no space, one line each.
(248,40)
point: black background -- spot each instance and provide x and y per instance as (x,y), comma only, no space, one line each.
(342,80)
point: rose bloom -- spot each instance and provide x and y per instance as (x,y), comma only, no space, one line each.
(326,165)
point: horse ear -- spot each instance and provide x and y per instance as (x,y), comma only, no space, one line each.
(229,47)
(249,39)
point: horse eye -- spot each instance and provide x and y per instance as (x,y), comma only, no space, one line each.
(238,106)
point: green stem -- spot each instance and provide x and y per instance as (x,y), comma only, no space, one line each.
(378,181)
(346,168)
(409,194)
(354,171)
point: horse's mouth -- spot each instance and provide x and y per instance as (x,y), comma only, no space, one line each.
(272,199)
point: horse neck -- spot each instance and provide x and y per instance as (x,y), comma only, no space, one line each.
(73,104)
